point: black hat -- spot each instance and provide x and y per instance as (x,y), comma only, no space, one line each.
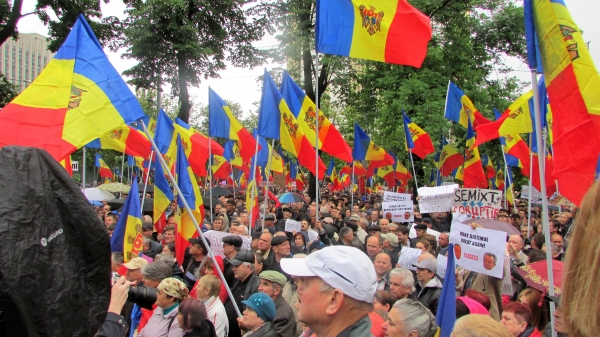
(420,226)
(256,235)
(287,209)
(148,226)
(352,225)
(277,240)
(233,240)
(375,228)
(270,217)
(199,242)
(243,256)
(428,220)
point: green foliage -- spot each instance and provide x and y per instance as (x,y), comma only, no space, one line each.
(8,91)
(179,42)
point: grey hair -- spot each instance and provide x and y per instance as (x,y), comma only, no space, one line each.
(146,240)
(244,228)
(251,265)
(165,258)
(157,271)
(492,256)
(392,227)
(364,221)
(345,231)
(415,316)
(408,280)
(117,258)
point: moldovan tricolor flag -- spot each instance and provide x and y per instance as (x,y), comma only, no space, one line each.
(389,31)
(222,123)
(276,121)
(77,98)
(195,146)
(388,174)
(572,83)
(330,139)
(460,109)
(417,140)
(448,159)
(163,195)
(103,169)
(365,149)
(165,138)
(124,139)
(220,167)
(191,192)
(127,237)
(473,170)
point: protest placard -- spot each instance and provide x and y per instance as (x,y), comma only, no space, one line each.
(507,288)
(436,199)
(398,211)
(393,196)
(535,194)
(408,257)
(279,179)
(216,242)
(442,262)
(292,226)
(477,203)
(480,250)
(312,235)
(412,233)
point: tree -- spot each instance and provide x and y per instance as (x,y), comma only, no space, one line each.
(8,91)
(180,42)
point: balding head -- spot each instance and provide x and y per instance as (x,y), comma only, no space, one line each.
(426,256)
(516,241)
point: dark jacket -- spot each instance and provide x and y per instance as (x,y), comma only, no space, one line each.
(114,326)
(430,294)
(269,260)
(206,330)
(285,320)
(362,328)
(267,330)
(228,273)
(240,291)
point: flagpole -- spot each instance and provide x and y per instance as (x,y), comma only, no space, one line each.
(232,180)
(83,173)
(413,167)
(187,207)
(541,160)
(505,177)
(210,178)
(352,189)
(122,166)
(317,133)
(530,185)
(267,187)
(253,175)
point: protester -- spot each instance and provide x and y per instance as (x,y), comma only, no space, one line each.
(383,265)
(374,246)
(517,317)
(231,246)
(299,245)
(428,287)
(336,286)
(533,298)
(479,326)
(246,284)
(402,282)
(258,316)
(192,318)
(383,301)
(197,252)
(272,283)
(171,292)
(207,290)
(410,318)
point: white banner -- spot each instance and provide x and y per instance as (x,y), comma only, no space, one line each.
(292,226)
(442,262)
(400,211)
(216,242)
(393,196)
(480,250)
(408,257)
(477,203)
(535,194)
(436,199)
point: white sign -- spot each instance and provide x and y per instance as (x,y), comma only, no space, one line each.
(535,194)
(442,262)
(477,203)
(74,166)
(408,257)
(312,236)
(412,233)
(392,196)
(480,250)
(216,242)
(507,288)
(292,226)
(436,199)
(398,211)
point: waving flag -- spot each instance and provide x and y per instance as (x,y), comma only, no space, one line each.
(330,167)
(509,189)
(220,167)
(222,123)
(473,170)
(499,179)
(78,97)
(460,109)
(448,158)
(359,169)
(388,174)
(127,237)
(124,139)
(446,311)
(163,195)
(572,82)
(330,139)
(190,192)
(103,169)
(276,121)
(232,154)
(165,138)
(417,140)
(365,149)
(195,146)
(402,173)
(387,31)
(490,172)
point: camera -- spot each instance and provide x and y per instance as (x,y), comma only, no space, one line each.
(144,297)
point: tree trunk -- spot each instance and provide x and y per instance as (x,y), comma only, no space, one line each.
(11,25)
(184,97)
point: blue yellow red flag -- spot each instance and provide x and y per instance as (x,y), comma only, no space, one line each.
(78,97)
(460,109)
(124,139)
(196,146)
(386,31)
(163,195)
(330,167)
(417,140)
(473,170)
(127,237)
(220,167)
(365,149)
(448,158)
(190,192)
(165,138)
(103,170)
(446,310)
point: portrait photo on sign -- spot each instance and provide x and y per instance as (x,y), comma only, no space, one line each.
(478,249)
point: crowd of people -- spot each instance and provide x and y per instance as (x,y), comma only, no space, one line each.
(339,275)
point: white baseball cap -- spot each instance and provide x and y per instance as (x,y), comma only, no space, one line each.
(342,267)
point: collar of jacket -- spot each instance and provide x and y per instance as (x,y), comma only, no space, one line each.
(361,328)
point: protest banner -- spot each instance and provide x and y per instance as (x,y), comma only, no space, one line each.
(480,250)
(292,226)
(412,233)
(507,288)
(535,194)
(279,179)
(408,257)
(477,203)
(442,262)
(436,199)
(393,196)
(312,235)
(398,211)
(551,207)
(216,242)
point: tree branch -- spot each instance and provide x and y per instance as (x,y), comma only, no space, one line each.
(11,25)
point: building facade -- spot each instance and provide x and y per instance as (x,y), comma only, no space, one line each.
(22,60)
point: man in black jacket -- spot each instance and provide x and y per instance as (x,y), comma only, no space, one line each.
(429,287)
(246,284)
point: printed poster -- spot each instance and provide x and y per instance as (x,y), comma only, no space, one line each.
(398,211)
(436,199)
(477,203)
(480,250)
(216,243)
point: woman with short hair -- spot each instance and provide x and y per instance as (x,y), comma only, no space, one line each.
(192,319)
(517,318)
(410,318)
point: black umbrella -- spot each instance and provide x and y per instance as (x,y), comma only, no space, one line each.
(118,204)
(219,191)
(149,188)
(206,201)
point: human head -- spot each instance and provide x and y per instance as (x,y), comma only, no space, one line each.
(299,239)
(410,318)
(383,264)
(479,326)
(170,292)
(384,300)
(281,246)
(147,229)
(272,283)
(402,234)
(538,240)
(264,242)
(516,316)
(155,272)
(197,248)
(259,262)
(516,241)
(110,219)
(116,261)
(374,245)
(444,240)
(169,235)
(539,313)
(420,229)
(208,286)
(191,314)
(134,269)
(217,224)
(423,245)
(402,282)
(243,264)
(384,225)
(526,231)
(259,309)
(169,248)
(426,270)
(557,240)
(489,261)
(346,234)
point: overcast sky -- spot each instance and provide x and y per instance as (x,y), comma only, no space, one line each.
(240,85)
